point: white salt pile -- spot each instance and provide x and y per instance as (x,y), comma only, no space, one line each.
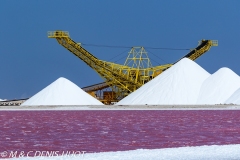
(234,98)
(217,88)
(62,92)
(188,83)
(180,84)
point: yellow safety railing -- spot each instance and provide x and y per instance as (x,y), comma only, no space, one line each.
(56,34)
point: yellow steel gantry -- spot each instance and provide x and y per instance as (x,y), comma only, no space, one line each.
(137,70)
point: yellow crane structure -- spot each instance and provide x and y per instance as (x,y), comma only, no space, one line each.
(123,79)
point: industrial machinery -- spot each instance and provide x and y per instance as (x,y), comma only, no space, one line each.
(123,79)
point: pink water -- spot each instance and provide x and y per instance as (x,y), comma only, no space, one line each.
(96,131)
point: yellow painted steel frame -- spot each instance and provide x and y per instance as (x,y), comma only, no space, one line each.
(203,49)
(123,79)
(111,72)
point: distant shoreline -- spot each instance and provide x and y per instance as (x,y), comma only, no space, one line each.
(120,107)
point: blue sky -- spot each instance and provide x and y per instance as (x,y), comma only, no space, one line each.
(30,61)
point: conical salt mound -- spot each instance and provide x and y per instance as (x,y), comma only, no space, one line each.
(219,87)
(62,92)
(180,84)
(234,98)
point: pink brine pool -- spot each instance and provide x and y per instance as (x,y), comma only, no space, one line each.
(98,131)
